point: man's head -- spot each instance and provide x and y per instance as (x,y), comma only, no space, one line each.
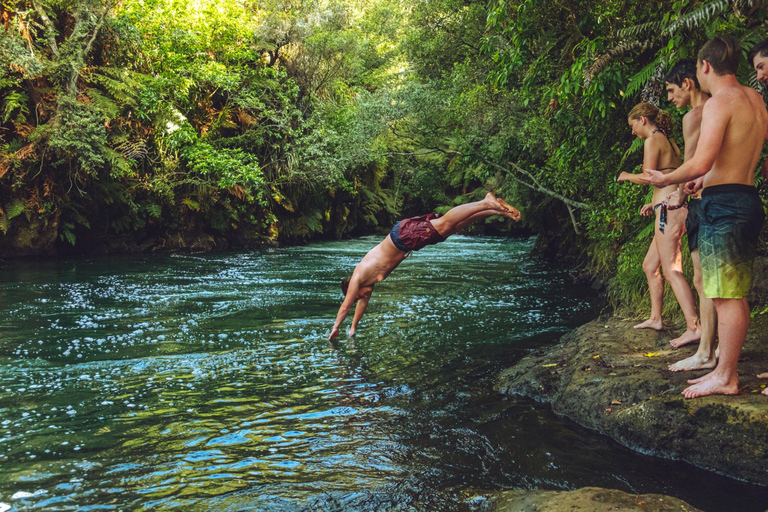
(363,291)
(681,80)
(758,58)
(719,56)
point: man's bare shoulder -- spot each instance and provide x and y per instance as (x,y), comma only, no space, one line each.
(693,116)
(721,105)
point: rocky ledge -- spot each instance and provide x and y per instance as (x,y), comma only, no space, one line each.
(593,499)
(612,378)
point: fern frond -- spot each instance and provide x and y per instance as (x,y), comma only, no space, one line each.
(637,81)
(701,15)
(103,104)
(619,50)
(16,101)
(651,27)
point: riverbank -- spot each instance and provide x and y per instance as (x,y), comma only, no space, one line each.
(593,499)
(610,377)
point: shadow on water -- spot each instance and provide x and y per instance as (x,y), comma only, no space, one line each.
(206,382)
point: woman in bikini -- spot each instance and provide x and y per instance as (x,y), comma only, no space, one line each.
(661,153)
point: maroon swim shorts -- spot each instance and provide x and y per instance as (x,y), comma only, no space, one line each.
(415,233)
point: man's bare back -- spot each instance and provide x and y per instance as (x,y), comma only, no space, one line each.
(741,111)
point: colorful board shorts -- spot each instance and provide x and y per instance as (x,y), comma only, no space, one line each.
(731,217)
(692,222)
(415,233)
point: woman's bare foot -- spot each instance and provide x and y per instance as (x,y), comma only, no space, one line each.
(688,336)
(716,385)
(695,362)
(511,209)
(656,325)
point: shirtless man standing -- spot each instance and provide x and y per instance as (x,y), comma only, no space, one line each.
(733,127)
(683,90)
(406,236)
(758,57)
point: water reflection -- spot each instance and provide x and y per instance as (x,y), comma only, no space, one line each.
(207,382)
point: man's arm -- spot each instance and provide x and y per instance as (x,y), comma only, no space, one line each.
(715,118)
(359,312)
(349,300)
(691,132)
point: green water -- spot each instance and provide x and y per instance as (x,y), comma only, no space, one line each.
(205,382)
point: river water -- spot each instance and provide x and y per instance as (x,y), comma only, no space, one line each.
(205,382)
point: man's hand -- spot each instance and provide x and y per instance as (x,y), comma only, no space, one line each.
(334,334)
(351,332)
(692,187)
(655,178)
(646,210)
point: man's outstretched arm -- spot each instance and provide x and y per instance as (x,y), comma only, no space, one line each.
(349,300)
(359,312)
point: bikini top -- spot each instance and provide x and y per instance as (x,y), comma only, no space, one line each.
(670,145)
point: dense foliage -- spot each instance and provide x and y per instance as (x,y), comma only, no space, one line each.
(151,124)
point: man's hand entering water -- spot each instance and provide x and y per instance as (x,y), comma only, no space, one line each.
(334,334)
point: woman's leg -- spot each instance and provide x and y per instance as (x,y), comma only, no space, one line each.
(669,246)
(652,269)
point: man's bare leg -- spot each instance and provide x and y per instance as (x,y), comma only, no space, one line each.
(706,356)
(652,269)
(732,325)
(668,244)
(461,216)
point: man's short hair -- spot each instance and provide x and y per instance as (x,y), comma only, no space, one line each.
(685,68)
(760,49)
(345,284)
(723,53)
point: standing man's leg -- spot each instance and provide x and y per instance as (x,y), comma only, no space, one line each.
(705,357)
(732,324)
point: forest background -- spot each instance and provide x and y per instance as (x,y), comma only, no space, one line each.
(142,125)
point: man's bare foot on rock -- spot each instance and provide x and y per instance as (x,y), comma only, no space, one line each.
(713,386)
(511,209)
(656,325)
(765,391)
(763,376)
(695,362)
(688,336)
(701,379)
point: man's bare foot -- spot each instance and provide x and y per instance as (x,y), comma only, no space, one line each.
(763,376)
(695,362)
(701,379)
(688,336)
(716,385)
(511,209)
(493,203)
(765,391)
(656,325)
